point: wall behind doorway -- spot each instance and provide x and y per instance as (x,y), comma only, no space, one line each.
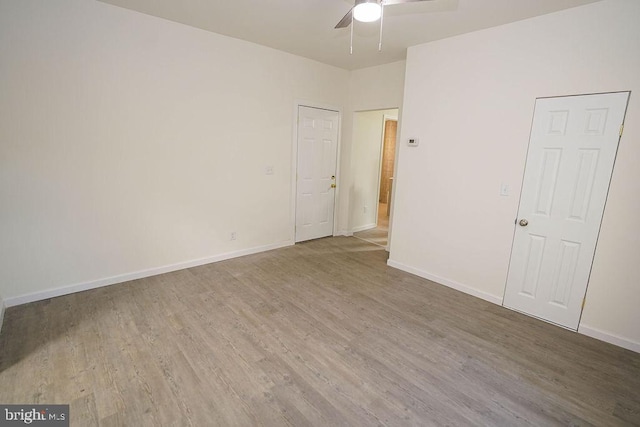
(373,88)
(365,166)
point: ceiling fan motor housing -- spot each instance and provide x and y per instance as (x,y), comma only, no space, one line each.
(367,10)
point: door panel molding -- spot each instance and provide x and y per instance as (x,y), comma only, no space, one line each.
(570,160)
(294,162)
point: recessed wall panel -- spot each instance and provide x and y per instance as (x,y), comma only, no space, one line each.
(583,187)
(327,159)
(308,122)
(596,121)
(547,180)
(306,160)
(306,209)
(324,208)
(565,272)
(533,265)
(558,122)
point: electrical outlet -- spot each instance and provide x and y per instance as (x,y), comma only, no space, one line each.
(268,170)
(365,209)
(504,189)
(413,142)
(234,235)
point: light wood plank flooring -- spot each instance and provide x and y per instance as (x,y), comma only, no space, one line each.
(322,333)
(380,234)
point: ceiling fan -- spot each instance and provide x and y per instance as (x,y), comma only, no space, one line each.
(369,11)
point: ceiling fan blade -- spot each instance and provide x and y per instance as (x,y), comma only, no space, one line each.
(391,2)
(346,21)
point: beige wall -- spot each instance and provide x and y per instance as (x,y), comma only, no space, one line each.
(470,101)
(131,144)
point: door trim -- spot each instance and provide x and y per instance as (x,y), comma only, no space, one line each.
(385,118)
(396,171)
(579,325)
(294,163)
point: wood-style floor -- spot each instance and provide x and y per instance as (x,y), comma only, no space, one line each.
(322,333)
(380,234)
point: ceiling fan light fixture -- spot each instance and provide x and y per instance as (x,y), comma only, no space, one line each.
(367,11)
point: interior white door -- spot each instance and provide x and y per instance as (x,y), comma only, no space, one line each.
(316,172)
(572,150)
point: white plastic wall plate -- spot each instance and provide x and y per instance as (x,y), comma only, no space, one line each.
(413,142)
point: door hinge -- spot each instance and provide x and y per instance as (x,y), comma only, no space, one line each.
(621,129)
(584,300)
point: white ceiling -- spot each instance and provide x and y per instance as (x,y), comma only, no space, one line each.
(306,27)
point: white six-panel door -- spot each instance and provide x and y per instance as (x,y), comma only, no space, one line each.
(572,150)
(316,172)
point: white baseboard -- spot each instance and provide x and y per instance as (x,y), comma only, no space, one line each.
(70,289)
(363,228)
(446,282)
(582,329)
(344,233)
(610,338)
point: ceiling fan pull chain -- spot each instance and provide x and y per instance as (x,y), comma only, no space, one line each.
(381,19)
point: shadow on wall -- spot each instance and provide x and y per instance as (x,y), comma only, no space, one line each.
(354,198)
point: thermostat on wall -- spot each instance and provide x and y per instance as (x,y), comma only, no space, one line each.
(413,142)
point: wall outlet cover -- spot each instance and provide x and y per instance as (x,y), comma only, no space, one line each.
(413,142)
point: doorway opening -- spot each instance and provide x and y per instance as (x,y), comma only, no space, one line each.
(373,160)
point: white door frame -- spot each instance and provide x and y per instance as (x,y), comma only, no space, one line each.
(294,163)
(396,171)
(586,290)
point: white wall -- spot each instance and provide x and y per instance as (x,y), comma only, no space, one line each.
(368,130)
(130,144)
(377,88)
(373,88)
(470,101)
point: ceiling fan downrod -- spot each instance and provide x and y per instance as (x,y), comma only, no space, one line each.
(381,19)
(351,42)
(369,15)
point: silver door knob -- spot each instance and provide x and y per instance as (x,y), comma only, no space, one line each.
(523,222)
